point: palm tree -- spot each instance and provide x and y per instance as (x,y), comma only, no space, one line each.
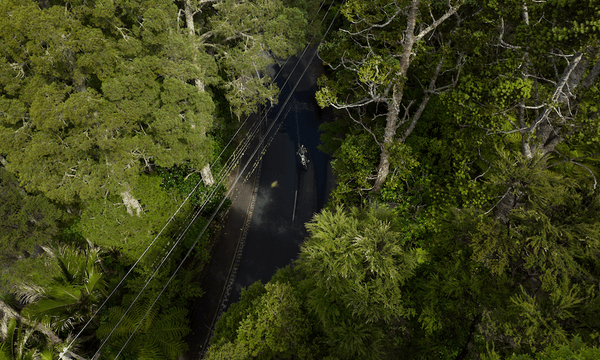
(19,342)
(74,293)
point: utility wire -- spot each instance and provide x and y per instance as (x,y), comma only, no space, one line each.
(280,69)
(162,230)
(245,143)
(233,163)
(220,205)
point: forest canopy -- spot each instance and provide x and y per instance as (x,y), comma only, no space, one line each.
(464,137)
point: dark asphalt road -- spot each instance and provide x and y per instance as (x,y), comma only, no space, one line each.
(288,196)
(272,205)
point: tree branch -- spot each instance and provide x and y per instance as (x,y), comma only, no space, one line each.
(364,127)
(372,26)
(589,80)
(502,43)
(349,106)
(569,160)
(437,22)
(424,102)
(556,96)
(11,313)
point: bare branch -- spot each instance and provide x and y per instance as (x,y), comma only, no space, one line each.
(364,127)
(484,159)
(373,26)
(205,36)
(569,160)
(502,43)
(353,105)
(424,102)
(557,93)
(499,201)
(538,78)
(437,22)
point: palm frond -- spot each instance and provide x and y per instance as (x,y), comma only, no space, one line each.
(32,354)
(93,253)
(56,307)
(4,351)
(29,293)
(10,331)
(94,281)
(72,263)
(48,354)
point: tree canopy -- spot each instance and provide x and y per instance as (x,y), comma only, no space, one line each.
(93,94)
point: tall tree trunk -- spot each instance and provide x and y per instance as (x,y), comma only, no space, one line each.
(393,110)
(206,173)
(189,22)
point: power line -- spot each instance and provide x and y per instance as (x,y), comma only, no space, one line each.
(220,204)
(66,349)
(225,172)
(243,146)
(276,76)
(245,143)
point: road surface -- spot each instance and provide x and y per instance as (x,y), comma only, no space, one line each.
(269,209)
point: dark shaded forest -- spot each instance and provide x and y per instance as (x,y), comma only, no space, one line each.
(465,134)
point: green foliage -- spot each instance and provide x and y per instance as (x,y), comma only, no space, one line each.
(159,336)
(268,322)
(17,342)
(521,271)
(74,294)
(353,166)
(102,93)
(357,260)
(226,327)
(574,349)
(228,351)
(277,327)
(402,163)
(553,215)
(32,270)
(93,108)
(28,222)
(108,224)
(251,34)
(187,182)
